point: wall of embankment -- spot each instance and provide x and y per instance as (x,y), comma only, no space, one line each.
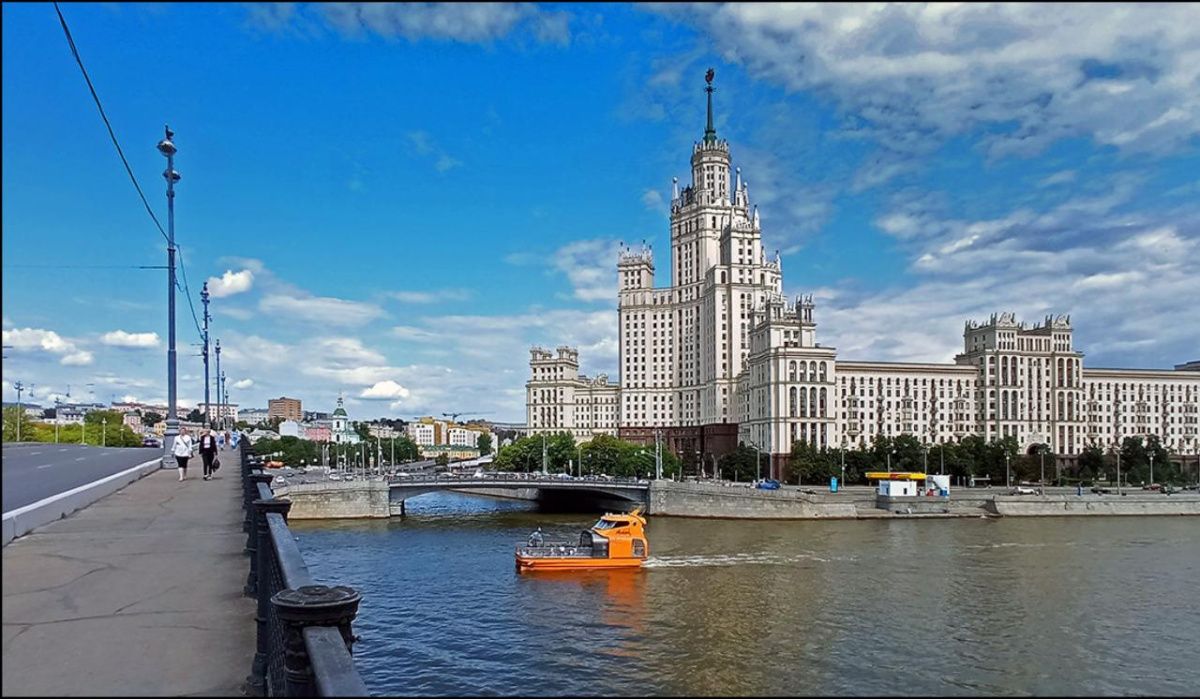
(668,498)
(1112,505)
(506,493)
(337,500)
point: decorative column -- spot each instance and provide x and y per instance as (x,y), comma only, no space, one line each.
(311,605)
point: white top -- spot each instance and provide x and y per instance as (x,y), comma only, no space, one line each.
(183,445)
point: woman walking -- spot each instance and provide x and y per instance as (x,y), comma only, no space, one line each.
(208,452)
(182,451)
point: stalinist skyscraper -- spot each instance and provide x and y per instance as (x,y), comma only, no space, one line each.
(718,356)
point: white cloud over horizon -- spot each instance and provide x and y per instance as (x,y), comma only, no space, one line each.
(230,283)
(120,338)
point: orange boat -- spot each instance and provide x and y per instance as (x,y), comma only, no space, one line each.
(614,541)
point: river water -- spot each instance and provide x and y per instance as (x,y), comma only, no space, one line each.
(1097,605)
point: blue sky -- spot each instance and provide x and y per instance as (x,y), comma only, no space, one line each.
(395,202)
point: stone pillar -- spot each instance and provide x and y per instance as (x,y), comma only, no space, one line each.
(262,564)
(311,605)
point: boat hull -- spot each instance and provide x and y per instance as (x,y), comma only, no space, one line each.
(575,563)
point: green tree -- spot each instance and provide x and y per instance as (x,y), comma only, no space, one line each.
(742,464)
(442,459)
(1090,463)
(195,416)
(14,416)
(484,443)
(151,418)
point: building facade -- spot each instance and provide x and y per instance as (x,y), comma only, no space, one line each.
(285,408)
(720,357)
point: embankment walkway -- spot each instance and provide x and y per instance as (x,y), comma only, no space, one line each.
(138,594)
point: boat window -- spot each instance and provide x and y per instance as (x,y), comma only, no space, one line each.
(639,548)
(605,524)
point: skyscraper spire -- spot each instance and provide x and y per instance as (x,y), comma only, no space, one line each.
(710,134)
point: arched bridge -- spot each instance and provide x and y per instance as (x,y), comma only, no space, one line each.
(633,490)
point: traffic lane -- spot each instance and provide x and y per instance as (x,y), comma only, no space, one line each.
(34,473)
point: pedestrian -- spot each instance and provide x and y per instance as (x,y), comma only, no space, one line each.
(208,452)
(227,438)
(182,451)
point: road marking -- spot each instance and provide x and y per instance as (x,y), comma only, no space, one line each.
(34,453)
(45,466)
(81,458)
(80,489)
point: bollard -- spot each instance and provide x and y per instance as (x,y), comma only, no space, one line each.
(311,605)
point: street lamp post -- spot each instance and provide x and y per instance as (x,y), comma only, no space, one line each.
(167,148)
(1119,469)
(1151,468)
(925,459)
(1007,472)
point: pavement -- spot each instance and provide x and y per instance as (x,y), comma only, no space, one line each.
(35,470)
(138,594)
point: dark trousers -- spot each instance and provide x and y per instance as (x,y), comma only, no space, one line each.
(182,461)
(208,457)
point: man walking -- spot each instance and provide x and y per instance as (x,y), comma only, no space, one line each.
(208,452)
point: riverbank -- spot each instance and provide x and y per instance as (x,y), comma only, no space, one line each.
(372,499)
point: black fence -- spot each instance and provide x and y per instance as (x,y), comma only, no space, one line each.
(304,639)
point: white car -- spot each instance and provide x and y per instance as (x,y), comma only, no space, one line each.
(1022,490)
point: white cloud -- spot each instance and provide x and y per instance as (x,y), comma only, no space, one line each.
(120,338)
(913,74)
(468,22)
(230,283)
(590,267)
(652,199)
(385,390)
(431,295)
(422,144)
(37,339)
(1060,177)
(412,334)
(320,310)
(243,383)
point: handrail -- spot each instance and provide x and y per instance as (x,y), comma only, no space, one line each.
(304,637)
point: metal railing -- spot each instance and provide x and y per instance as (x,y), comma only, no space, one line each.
(304,638)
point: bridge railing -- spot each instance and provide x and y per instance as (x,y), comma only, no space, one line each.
(517,480)
(304,636)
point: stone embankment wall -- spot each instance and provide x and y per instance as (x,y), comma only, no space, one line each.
(739,502)
(337,500)
(1074,505)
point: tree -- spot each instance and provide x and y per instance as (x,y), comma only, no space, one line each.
(195,416)
(484,443)
(442,459)
(741,464)
(151,418)
(1090,463)
(14,416)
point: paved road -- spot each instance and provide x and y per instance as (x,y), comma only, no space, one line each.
(33,471)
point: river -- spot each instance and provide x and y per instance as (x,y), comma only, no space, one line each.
(1097,605)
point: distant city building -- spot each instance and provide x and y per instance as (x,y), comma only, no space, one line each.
(314,416)
(285,408)
(253,416)
(421,433)
(381,431)
(133,421)
(340,431)
(291,428)
(318,433)
(719,357)
(217,411)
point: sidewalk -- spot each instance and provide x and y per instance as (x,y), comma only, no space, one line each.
(139,593)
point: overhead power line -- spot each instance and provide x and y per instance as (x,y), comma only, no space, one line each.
(188,292)
(113,136)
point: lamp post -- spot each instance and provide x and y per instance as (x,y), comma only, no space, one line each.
(1007,472)
(1151,468)
(842,483)
(925,459)
(1118,468)
(167,148)
(942,459)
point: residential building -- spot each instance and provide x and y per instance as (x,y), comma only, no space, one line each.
(421,433)
(254,416)
(719,357)
(285,408)
(217,411)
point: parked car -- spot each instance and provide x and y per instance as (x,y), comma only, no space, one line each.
(1152,486)
(151,442)
(769,484)
(1022,490)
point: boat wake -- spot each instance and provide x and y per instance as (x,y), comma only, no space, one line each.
(735,559)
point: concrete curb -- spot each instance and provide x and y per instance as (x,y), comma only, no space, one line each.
(23,520)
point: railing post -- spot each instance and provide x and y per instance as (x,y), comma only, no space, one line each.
(259,584)
(252,495)
(311,605)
